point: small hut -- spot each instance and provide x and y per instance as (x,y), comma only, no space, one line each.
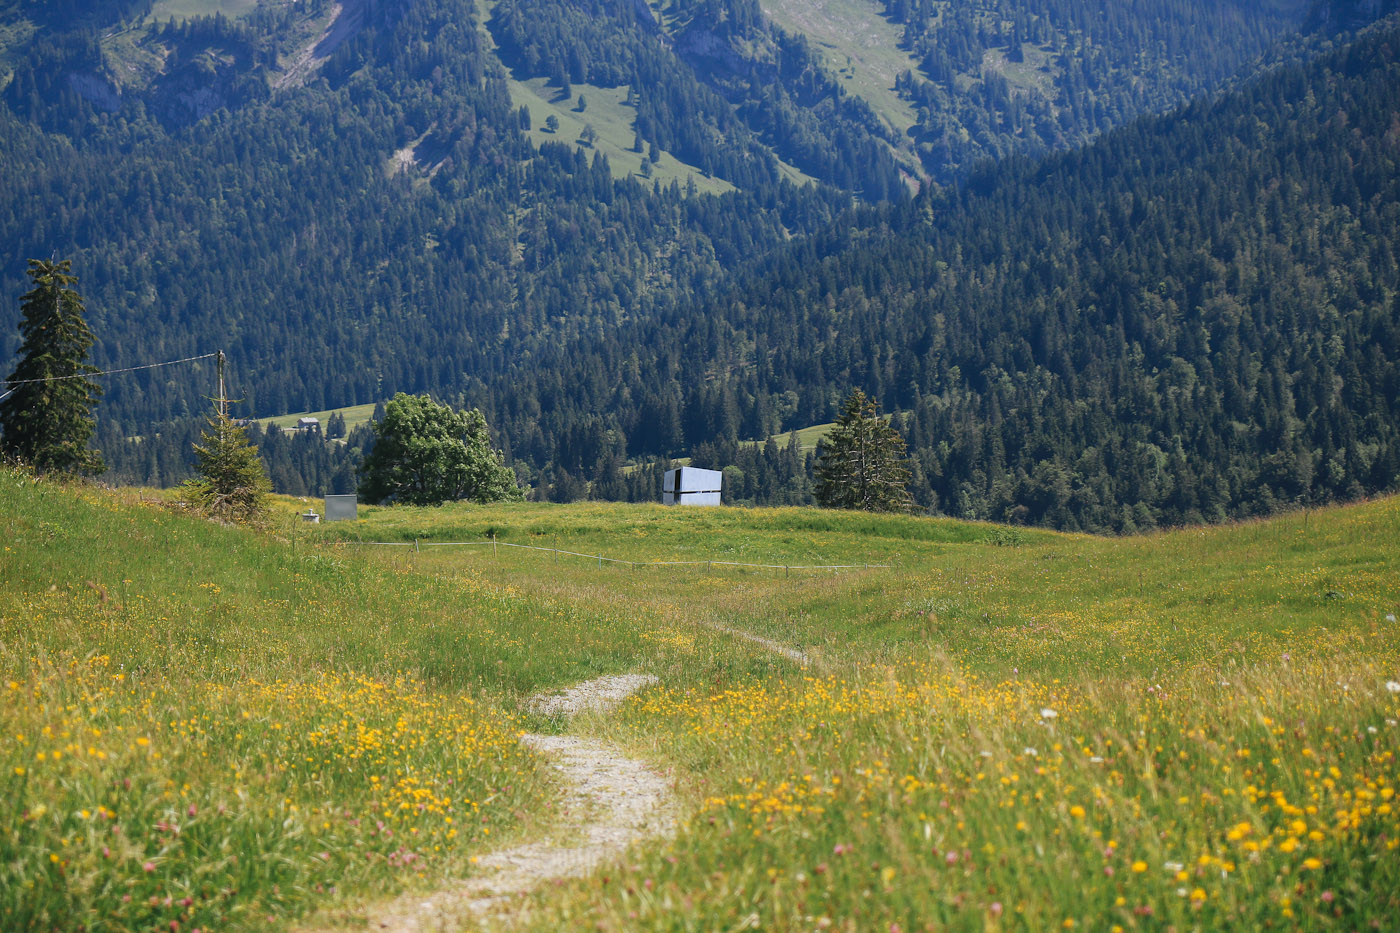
(692,486)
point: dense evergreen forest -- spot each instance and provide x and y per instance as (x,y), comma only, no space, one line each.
(1194,317)
(1049,332)
(1004,76)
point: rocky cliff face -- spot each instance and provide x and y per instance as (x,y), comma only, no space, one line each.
(96,90)
(722,48)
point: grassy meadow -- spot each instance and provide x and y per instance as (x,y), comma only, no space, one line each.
(1009,728)
(354,415)
(859,45)
(163,10)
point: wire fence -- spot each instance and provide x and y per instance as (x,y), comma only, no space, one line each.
(601,559)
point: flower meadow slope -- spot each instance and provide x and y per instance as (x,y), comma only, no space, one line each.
(922,796)
(1190,730)
(206,728)
(136,802)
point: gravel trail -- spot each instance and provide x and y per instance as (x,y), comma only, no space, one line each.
(610,803)
(792,654)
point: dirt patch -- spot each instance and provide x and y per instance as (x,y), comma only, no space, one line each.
(347,18)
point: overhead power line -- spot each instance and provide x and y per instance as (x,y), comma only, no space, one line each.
(108,372)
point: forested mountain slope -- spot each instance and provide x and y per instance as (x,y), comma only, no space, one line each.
(281,227)
(988,78)
(386,215)
(1194,317)
(389,225)
(997,78)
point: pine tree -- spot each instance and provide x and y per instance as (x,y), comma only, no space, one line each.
(233,483)
(863,463)
(47,421)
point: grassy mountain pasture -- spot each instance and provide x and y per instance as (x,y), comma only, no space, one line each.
(1012,728)
(1009,728)
(859,45)
(612,119)
(354,415)
(807,437)
(614,122)
(218,728)
(186,9)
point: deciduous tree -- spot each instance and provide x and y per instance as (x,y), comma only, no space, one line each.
(425,454)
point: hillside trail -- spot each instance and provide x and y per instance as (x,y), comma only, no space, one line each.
(792,654)
(610,802)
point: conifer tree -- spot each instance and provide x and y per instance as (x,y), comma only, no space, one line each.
(233,483)
(46,420)
(863,463)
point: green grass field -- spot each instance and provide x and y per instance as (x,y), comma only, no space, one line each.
(184,9)
(858,45)
(608,113)
(612,119)
(807,437)
(354,416)
(1009,728)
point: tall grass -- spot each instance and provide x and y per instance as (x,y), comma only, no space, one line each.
(1010,728)
(1189,729)
(211,727)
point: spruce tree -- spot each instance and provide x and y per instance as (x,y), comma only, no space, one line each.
(46,420)
(863,463)
(233,483)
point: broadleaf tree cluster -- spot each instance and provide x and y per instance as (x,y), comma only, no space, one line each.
(425,453)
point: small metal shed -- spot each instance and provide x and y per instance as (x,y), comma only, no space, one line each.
(341,508)
(691,486)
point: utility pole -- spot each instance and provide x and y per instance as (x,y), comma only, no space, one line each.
(223,399)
